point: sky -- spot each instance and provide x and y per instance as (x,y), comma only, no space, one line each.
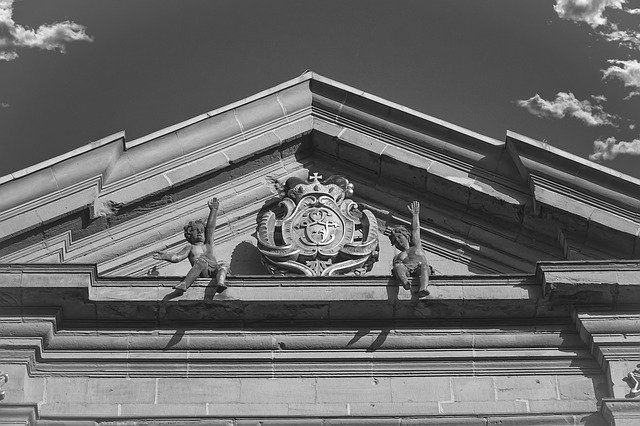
(566,72)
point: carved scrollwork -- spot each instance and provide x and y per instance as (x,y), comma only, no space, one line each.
(321,231)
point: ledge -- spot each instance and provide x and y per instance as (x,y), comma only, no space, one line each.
(556,288)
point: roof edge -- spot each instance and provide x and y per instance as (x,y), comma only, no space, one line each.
(572,158)
(60,158)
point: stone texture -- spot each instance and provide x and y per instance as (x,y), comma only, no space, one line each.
(353,390)
(275,391)
(473,389)
(526,387)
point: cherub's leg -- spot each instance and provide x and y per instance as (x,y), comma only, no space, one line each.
(402,274)
(195,271)
(221,277)
(424,280)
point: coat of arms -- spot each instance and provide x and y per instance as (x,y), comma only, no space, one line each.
(321,231)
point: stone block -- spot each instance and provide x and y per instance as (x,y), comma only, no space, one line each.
(163,410)
(295,98)
(251,147)
(281,390)
(563,406)
(200,166)
(483,407)
(420,389)
(533,420)
(293,130)
(247,409)
(577,387)
(526,387)
(473,389)
(62,409)
(259,112)
(335,409)
(208,131)
(353,389)
(198,390)
(442,421)
(94,390)
(393,409)
(163,148)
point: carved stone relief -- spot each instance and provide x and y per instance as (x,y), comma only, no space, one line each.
(4,378)
(321,231)
(633,380)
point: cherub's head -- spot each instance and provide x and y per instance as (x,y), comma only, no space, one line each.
(194,231)
(400,237)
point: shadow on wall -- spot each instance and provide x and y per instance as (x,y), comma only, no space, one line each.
(246,260)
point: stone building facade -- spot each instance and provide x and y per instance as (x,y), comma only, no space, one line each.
(534,307)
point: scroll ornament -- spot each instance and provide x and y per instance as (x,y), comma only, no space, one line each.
(320,233)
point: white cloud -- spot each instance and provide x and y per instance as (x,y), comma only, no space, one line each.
(48,37)
(626,71)
(4,105)
(589,11)
(633,11)
(591,114)
(626,38)
(611,148)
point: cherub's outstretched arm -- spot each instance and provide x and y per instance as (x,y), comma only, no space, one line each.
(414,208)
(211,221)
(174,258)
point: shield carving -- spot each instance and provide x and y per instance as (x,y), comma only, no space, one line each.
(317,230)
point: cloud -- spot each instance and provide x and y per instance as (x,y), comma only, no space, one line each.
(589,11)
(626,38)
(626,71)
(47,37)
(4,105)
(611,148)
(591,114)
(633,11)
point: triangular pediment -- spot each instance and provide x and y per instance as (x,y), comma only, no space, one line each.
(488,207)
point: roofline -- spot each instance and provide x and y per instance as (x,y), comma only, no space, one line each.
(567,156)
(307,76)
(60,158)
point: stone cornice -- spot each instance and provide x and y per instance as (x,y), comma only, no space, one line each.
(556,289)
(359,125)
(203,350)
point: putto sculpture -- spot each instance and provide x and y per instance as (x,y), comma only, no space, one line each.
(321,232)
(633,379)
(200,252)
(412,260)
(4,378)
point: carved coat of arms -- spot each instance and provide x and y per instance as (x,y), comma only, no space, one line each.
(321,231)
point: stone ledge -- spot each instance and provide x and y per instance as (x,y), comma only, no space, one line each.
(621,412)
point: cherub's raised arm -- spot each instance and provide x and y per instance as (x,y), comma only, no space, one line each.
(414,208)
(214,204)
(174,258)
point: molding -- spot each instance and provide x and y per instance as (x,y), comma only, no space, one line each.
(446,155)
(18,414)
(621,412)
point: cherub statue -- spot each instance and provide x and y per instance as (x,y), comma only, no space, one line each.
(633,378)
(412,260)
(200,252)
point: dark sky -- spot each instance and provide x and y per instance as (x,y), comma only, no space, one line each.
(155,63)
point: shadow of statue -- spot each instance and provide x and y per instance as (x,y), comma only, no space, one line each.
(175,339)
(172,295)
(246,260)
(377,342)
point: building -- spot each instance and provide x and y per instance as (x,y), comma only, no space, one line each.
(533,316)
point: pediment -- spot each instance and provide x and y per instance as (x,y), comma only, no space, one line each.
(488,207)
